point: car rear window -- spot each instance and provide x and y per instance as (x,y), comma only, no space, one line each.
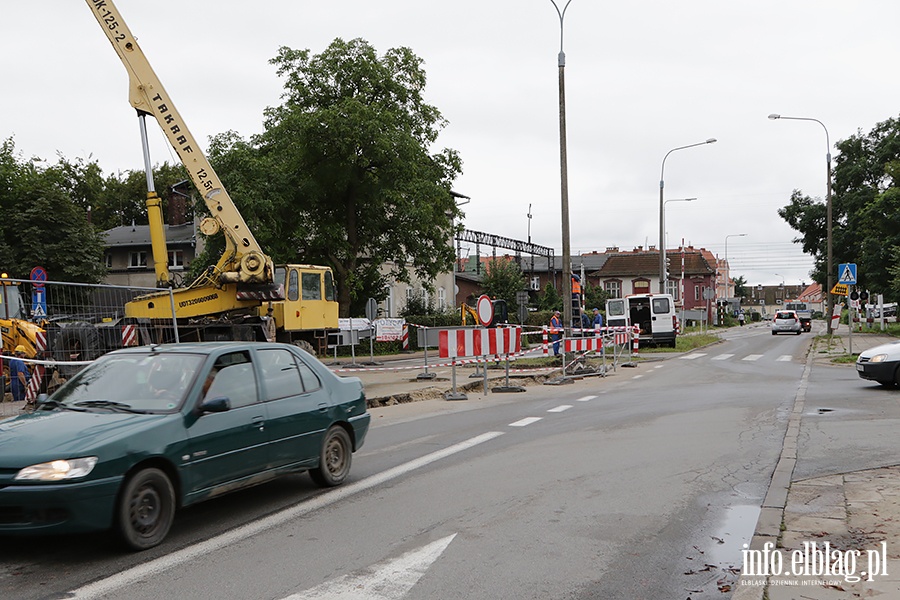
(784,316)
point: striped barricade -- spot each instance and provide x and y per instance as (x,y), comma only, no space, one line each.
(457,343)
(584,344)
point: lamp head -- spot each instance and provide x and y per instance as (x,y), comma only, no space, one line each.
(774,116)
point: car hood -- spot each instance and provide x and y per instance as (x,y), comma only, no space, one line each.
(49,435)
(892,349)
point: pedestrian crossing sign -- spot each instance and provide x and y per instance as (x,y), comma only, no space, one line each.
(847,273)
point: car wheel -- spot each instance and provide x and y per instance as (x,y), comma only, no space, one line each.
(798,332)
(146,509)
(335,458)
(773,333)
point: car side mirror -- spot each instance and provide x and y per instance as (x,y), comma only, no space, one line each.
(215,405)
(41,398)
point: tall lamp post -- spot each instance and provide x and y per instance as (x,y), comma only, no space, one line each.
(662,216)
(563,172)
(829,275)
(727,266)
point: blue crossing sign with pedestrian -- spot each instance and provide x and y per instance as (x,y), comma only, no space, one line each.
(847,273)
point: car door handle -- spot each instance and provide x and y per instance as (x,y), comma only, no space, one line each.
(259,422)
(323,406)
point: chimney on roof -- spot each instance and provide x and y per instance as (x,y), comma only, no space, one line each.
(612,248)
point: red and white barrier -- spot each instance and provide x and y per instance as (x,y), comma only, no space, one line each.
(40,341)
(405,337)
(34,384)
(584,344)
(129,335)
(453,343)
(636,339)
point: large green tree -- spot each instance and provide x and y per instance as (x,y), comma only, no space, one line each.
(865,210)
(43,223)
(344,173)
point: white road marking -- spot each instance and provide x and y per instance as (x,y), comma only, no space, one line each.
(658,366)
(692,356)
(722,357)
(586,399)
(525,421)
(560,408)
(752,357)
(637,376)
(390,580)
(785,357)
(164,563)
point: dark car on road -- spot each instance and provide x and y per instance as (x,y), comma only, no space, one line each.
(143,431)
(881,364)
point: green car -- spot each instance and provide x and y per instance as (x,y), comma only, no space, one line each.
(143,431)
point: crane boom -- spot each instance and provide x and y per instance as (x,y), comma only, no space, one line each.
(243,261)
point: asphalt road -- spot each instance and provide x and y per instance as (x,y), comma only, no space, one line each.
(640,485)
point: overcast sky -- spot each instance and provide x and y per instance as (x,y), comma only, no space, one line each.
(641,78)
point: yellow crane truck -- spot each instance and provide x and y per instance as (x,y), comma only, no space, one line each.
(244,292)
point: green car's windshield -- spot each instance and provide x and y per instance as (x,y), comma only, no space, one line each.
(142,382)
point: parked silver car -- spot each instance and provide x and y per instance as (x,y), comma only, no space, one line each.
(786,321)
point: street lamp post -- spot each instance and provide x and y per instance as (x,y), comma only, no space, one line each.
(829,275)
(564,175)
(662,217)
(727,266)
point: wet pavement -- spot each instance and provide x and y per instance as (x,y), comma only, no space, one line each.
(823,538)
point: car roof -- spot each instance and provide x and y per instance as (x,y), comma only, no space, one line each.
(199,347)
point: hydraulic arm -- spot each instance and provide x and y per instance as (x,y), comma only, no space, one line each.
(243,261)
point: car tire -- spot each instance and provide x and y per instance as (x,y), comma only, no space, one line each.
(773,333)
(334,459)
(798,332)
(146,509)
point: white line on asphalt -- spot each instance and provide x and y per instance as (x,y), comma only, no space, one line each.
(525,421)
(390,580)
(785,357)
(637,376)
(586,399)
(752,357)
(722,357)
(693,356)
(658,366)
(560,408)
(164,563)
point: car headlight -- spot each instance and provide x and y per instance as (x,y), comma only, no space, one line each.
(878,358)
(58,470)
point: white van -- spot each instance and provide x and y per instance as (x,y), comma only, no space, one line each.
(653,313)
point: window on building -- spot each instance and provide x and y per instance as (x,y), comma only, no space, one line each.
(137,259)
(107,260)
(672,287)
(613,289)
(641,286)
(698,291)
(176,260)
(441,299)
